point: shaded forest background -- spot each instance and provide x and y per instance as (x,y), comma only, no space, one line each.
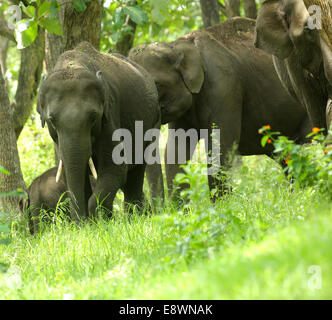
(43,29)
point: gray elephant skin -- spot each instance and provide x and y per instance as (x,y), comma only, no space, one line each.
(217,77)
(84,100)
(301,56)
(43,193)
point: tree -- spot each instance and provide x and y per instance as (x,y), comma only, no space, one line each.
(210,12)
(250,8)
(326,30)
(9,158)
(30,70)
(79,23)
(125,43)
(232,8)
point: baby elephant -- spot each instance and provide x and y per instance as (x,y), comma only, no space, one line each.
(43,193)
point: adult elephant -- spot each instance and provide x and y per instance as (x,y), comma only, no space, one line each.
(84,101)
(216,77)
(301,55)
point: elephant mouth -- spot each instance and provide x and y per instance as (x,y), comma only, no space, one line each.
(91,166)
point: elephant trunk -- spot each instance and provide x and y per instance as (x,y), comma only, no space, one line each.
(75,155)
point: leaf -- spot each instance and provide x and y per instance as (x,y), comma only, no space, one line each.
(44,9)
(4,228)
(3,170)
(80,5)
(54,9)
(119,18)
(26,33)
(6,241)
(137,14)
(29,11)
(264,140)
(51,25)
(159,11)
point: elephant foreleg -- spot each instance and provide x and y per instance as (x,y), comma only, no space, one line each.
(133,188)
(107,186)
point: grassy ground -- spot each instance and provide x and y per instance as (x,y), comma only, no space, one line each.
(265,241)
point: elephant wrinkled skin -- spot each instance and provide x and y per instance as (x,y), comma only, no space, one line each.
(43,193)
(84,100)
(217,77)
(301,56)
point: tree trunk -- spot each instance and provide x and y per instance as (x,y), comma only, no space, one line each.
(232,8)
(326,6)
(81,26)
(3,53)
(124,45)
(76,27)
(210,13)
(250,9)
(9,158)
(4,44)
(53,49)
(29,78)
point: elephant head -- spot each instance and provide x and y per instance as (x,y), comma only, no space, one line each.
(286,30)
(177,71)
(73,102)
(282,30)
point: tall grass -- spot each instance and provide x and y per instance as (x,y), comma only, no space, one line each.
(266,240)
(256,243)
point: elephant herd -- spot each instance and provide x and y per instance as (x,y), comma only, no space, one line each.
(237,76)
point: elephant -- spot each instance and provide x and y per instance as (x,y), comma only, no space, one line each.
(43,193)
(217,78)
(89,102)
(301,56)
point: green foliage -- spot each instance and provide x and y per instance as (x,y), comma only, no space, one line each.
(263,236)
(80,5)
(257,242)
(309,165)
(157,20)
(38,13)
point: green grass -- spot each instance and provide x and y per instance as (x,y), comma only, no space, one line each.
(277,267)
(257,243)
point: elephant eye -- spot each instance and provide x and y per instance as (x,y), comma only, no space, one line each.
(93,116)
(159,86)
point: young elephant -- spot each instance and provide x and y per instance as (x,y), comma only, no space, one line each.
(43,193)
(84,101)
(217,78)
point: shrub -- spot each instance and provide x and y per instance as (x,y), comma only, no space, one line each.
(308,165)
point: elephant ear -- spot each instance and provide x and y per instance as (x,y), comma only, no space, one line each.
(40,103)
(189,63)
(40,111)
(108,101)
(272,30)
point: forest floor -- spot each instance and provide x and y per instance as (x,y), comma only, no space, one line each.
(267,240)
